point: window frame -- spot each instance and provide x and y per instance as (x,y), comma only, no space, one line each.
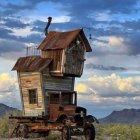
(32,100)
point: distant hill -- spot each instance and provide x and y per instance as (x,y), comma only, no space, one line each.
(124,116)
(4,108)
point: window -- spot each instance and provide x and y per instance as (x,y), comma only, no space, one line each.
(32,96)
(67,98)
(54,99)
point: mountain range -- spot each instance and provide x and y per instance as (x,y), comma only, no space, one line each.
(127,116)
(4,108)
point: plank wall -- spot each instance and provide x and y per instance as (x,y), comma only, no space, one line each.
(31,80)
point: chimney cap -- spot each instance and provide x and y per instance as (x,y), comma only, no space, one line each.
(49,19)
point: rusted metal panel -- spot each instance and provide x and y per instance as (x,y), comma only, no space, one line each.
(54,111)
(61,40)
(31,63)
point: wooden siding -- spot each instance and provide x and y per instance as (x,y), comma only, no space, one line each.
(56,55)
(31,80)
(74,59)
(57,83)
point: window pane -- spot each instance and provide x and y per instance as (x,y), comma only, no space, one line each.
(33,96)
(67,98)
(54,98)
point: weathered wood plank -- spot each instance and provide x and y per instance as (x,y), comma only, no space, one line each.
(31,81)
(56,83)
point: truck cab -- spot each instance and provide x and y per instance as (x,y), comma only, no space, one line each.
(61,103)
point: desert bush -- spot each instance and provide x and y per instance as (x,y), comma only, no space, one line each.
(54,135)
(118,131)
(6,125)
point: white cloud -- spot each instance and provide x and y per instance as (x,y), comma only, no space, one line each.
(137,98)
(112,86)
(61,19)
(6,81)
(23,32)
(57,19)
(9,92)
(102,16)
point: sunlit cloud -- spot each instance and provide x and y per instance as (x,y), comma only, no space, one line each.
(115,41)
(110,86)
(82,88)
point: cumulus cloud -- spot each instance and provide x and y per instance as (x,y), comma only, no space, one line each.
(115,41)
(113,92)
(9,93)
(111,86)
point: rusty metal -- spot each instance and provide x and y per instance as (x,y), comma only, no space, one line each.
(61,40)
(31,63)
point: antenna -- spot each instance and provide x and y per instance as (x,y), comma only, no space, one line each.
(89,29)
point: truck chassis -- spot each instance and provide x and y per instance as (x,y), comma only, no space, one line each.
(42,126)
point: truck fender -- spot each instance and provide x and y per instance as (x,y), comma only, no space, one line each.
(91,119)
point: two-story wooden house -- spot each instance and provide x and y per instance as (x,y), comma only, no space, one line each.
(61,60)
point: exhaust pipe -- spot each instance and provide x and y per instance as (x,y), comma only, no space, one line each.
(47,26)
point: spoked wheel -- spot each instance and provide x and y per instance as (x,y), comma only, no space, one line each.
(22,131)
(90,133)
(66,134)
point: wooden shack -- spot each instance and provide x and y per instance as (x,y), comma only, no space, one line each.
(67,50)
(61,60)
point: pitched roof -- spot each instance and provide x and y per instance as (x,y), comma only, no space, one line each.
(61,40)
(31,63)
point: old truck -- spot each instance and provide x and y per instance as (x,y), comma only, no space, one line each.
(46,83)
(64,116)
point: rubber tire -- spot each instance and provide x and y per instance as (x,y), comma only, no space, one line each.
(91,132)
(68,133)
(24,132)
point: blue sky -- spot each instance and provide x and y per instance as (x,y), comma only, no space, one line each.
(111,79)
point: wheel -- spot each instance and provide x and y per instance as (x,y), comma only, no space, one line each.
(66,134)
(90,133)
(22,131)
